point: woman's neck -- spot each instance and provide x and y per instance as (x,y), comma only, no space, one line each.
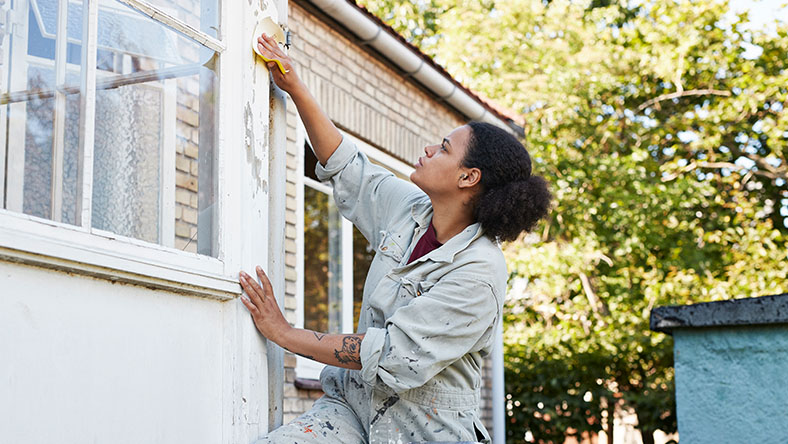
(450,219)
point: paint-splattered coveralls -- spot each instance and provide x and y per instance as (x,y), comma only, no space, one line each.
(428,324)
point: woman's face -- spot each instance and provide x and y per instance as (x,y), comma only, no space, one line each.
(440,169)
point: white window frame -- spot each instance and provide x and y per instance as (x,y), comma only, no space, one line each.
(307,368)
(80,248)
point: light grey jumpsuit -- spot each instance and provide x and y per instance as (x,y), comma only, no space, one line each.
(428,324)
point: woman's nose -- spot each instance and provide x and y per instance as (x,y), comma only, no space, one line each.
(429,150)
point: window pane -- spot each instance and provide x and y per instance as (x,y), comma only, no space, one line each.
(202,15)
(39,110)
(322,263)
(153,155)
(154,129)
(363,253)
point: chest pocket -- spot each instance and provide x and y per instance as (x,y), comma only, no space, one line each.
(390,248)
(411,289)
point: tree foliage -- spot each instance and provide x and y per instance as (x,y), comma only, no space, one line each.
(663,131)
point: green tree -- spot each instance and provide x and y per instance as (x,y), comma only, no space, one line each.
(662,129)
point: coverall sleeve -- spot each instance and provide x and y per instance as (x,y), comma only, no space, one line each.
(456,316)
(366,194)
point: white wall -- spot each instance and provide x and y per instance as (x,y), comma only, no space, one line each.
(86,360)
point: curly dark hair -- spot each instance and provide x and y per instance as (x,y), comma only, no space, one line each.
(512,200)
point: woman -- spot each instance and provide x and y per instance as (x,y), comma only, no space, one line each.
(434,291)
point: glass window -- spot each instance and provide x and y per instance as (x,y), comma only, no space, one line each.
(325,249)
(363,253)
(152,156)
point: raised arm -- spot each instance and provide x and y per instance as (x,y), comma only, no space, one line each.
(366,194)
(323,135)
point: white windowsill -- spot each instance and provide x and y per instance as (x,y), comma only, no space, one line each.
(31,240)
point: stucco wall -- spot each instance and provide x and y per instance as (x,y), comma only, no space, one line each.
(732,384)
(369,99)
(88,360)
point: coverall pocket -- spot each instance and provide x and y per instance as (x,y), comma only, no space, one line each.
(410,289)
(389,247)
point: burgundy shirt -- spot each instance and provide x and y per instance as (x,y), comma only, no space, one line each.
(427,243)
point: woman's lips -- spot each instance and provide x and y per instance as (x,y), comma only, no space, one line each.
(418,164)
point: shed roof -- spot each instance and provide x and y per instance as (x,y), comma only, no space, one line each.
(748,311)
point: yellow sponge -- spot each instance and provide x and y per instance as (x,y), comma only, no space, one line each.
(270,28)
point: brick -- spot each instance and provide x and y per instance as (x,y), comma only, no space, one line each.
(182,164)
(181,243)
(291,303)
(322,70)
(290,189)
(191,149)
(290,259)
(183,229)
(180,143)
(187,116)
(182,196)
(290,316)
(194,169)
(190,215)
(183,180)
(291,405)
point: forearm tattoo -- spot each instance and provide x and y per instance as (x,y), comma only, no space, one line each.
(350,353)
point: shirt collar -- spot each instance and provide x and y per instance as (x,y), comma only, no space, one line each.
(422,215)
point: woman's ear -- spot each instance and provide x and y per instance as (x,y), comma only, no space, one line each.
(470,177)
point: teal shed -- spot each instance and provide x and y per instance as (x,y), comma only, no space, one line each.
(731,366)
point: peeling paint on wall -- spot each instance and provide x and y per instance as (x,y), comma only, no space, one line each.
(255,153)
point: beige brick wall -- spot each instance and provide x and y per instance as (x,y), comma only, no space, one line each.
(370,100)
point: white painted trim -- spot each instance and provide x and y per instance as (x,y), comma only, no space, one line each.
(300,180)
(167,164)
(59,119)
(228,158)
(87,113)
(176,24)
(498,389)
(5,60)
(50,244)
(319,186)
(347,276)
(17,112)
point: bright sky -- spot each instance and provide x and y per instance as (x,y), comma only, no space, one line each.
(762,12)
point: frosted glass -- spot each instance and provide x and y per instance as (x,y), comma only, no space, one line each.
(127,157)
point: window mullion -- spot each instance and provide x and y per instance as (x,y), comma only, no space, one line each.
(87,113)
(347,276)
(178,25)
(59,118)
